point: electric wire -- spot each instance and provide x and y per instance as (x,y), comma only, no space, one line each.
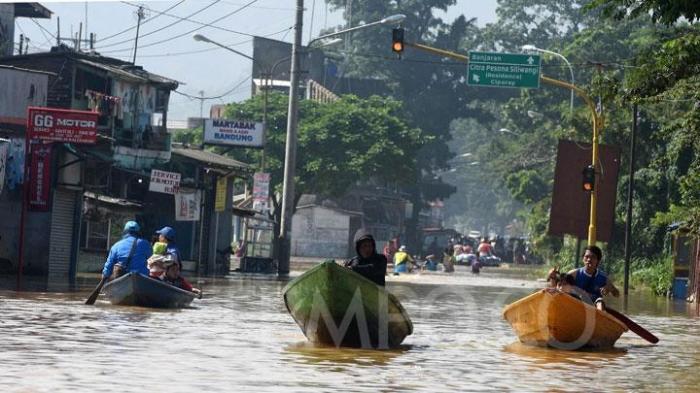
(161,28)
(203,25)
(142,23)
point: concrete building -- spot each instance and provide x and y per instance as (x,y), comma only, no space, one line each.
(323,230)
(96,188)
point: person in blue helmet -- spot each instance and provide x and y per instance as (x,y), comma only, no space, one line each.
(167,235)
(128,254)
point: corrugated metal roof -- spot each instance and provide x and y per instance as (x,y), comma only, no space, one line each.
(210,158)
(129,72)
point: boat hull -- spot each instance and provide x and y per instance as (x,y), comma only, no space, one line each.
(556,319)
(335,306)
(134,289)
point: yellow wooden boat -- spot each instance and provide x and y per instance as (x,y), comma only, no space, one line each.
(553,318)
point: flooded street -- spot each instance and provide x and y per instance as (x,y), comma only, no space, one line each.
(240,337)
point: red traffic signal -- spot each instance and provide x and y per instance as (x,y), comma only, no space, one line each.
(397,40)
(588,178)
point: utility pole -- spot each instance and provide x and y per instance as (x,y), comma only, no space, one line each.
(284,242)
(201,115)
(630,196)
(140,14)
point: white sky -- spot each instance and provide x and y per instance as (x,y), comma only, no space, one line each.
(216,71)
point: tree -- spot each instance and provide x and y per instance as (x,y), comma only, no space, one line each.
(339,144)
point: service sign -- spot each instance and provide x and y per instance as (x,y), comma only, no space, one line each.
(165,182)
(60,125)
(233,133)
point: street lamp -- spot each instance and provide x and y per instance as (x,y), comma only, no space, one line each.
(291,142)
(571,70)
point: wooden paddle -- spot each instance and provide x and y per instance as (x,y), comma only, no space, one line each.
(93,296)
(631,325)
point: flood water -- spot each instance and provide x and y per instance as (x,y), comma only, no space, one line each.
(240,338)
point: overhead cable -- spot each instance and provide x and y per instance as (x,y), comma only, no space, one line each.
(143,23)
(203,25)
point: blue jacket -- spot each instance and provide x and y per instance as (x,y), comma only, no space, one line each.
(174,251)
(119,253)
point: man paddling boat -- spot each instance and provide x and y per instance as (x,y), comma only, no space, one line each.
(590,279)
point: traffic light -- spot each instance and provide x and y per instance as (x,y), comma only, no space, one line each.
(589,178)
(397,40)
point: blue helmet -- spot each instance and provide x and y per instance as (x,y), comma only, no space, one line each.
(167,232)
(131,227)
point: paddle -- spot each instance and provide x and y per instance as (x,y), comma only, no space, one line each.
(93,296)
(631,325)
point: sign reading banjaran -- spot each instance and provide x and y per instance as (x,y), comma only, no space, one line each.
(233,133)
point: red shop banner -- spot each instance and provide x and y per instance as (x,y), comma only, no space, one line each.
(62,125)
(40,177)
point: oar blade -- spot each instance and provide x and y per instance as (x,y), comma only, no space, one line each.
(93,296)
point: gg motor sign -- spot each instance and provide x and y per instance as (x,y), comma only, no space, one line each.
(233,133)
(60,125)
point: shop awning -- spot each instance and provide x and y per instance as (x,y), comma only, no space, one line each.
(211,160)
(98,206)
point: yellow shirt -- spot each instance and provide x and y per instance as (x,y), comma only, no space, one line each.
(401,257)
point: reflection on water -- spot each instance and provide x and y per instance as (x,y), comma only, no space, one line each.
(240,338)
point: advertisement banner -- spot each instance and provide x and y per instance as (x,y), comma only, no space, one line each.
(61,125)
(40,177)
(233,133)
(165,182)
(220,202)
(187,206)
(261,191)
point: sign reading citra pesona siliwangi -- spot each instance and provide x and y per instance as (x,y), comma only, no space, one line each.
(233,133)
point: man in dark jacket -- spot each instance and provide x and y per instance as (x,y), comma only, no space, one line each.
(368,262)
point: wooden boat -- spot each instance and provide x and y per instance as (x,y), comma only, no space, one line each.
(134,289)
(553,318)
(335,306)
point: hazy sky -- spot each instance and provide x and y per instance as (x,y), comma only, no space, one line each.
(215,71)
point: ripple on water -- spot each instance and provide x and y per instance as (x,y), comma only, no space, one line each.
(240,337)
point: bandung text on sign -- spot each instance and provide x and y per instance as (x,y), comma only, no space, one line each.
(60,125)
(233,132)
(165,182)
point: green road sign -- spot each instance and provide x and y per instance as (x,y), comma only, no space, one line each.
(503,70)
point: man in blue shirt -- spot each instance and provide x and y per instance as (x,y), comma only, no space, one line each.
(167,235)
(118,260)
(590,280)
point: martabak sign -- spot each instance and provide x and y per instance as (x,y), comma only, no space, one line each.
(61,125)
(233,133)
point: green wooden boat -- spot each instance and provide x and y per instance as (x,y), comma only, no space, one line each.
(335,306)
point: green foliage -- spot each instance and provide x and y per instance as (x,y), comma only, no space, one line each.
(653,273)
(664,11)
(340,143)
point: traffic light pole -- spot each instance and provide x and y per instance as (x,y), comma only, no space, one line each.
(596,120)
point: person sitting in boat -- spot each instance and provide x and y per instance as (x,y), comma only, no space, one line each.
(167,235)
(594,282)
(431,263)
(155,263)
(128,254)
(172,275)
(368,262)
(402,260)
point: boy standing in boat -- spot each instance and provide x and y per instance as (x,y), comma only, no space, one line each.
(590,279)
(368,262)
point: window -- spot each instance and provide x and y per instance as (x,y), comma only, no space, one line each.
(97,235)
(100,235)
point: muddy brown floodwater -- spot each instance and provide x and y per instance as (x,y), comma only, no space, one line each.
(240,338)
